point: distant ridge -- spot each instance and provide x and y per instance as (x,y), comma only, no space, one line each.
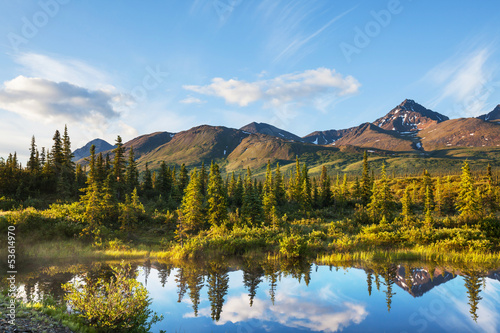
(100,146)
(492,116)
(264,128)
(409,128)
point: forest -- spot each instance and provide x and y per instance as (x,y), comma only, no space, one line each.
(173,212)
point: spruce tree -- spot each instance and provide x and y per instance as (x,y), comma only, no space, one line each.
(118,168)
(406,203)
(297,185)
(33,162)
(325,191)
(269,196)
(183,178)
(165,182)
(428,207)
(203,179)
(131,173)
(305,194)
(366,182)
(279,187)
(216,197)
(147,184)
(56,154)
(468,204)
(192,212)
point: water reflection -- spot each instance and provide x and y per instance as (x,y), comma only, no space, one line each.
(295,296)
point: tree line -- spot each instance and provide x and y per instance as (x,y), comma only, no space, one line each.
(114,195)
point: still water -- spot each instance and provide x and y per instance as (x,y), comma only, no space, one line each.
(269,296)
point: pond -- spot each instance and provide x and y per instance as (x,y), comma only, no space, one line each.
(273,296)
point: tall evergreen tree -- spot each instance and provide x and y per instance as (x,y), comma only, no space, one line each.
(192,212)
(147,184)
(216,197)
(165,182)
(305,195)
(468,203)
(33,162)
(325,191)
(269,196)
(366,182)
(131,173)
(119,168)
(279,187)
(406,203)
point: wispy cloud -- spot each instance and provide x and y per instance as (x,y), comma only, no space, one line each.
(60,69)
(298,43)
(192,100)
(465,80)
(285,89)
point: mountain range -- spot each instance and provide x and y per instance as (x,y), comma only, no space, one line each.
(408,129)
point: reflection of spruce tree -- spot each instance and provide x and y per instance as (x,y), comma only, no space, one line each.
(252,277)
(473,283)
(377,281)
(218,280)
(180,279)
(163,273)
(369,282)
(389,277)
(147,270)
(272,273)
(195,280)
(408,278)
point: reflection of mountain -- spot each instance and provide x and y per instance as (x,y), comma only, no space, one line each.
(495,275)
(420,279)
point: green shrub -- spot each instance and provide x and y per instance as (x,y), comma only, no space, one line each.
(491,227)
(120,305)
(292,246)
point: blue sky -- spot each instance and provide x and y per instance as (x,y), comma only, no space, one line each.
(130,67)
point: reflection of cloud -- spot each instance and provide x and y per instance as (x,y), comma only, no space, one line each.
(460,320)
(292,312)
(281,90)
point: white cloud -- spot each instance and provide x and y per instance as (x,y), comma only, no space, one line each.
(192,100)
(289,88)
(63,70)
(45,100)
(465,80)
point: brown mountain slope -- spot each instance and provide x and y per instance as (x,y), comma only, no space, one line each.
(256,149)
(264,128)
(326,137)
(462,132)
(368,135)
(199,144)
